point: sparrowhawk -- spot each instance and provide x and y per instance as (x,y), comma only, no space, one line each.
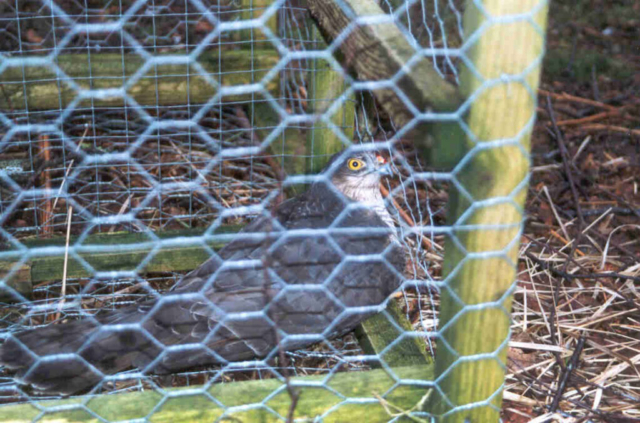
(312,268)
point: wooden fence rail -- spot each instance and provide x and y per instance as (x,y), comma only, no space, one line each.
(39,87)
(262,401)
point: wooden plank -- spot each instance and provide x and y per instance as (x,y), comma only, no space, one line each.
(38,87)
(187,405)
(378,332)
(503,111)
(126,252)
(378,52)
(115,238)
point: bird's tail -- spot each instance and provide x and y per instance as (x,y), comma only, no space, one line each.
(162,336)
(74,356)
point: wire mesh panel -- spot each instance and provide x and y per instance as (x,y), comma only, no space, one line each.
(141,139)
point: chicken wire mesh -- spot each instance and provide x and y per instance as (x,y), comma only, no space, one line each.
(139,136)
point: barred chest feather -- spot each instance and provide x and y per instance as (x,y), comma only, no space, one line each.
(382,211)
(371,197)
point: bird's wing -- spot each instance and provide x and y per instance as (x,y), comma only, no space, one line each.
(297,279)
(255,295)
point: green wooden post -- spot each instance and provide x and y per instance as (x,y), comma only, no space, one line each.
(506,53)
(289,148)
(252,9)
(326,85)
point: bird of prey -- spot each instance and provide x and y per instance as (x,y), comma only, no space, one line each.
(310,269)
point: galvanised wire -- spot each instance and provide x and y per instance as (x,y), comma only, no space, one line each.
(127,166)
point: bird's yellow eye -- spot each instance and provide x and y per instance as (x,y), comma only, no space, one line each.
(355,164)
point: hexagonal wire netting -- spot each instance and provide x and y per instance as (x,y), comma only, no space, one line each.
(139,136)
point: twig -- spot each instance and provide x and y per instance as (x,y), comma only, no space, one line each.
(592,118)
(617,198)
(623,211)
(187,160)
(532,385)
(66,174)
(576,99)
(66,261)
(584,144)
(612,353)
(566,241)
(557,216)
(572,214)
(47,212)
(596,276)
(121,211)
(615,370)
(612,128)
(606,248)
(567,169)
(565,159)
(573,364)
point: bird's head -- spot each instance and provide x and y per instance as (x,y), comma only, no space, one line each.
(357,175)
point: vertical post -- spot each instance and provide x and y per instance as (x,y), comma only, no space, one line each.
(326,85)
(262,117)
(506,43)
(251,9)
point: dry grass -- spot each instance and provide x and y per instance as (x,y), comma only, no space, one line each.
(576,316)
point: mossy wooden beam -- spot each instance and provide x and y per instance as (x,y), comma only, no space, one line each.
(506,54)
(121,257)
(326,86)
(39,88)
(380,52)
(377,333)
(188,405)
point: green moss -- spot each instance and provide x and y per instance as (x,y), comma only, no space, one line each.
(314,401)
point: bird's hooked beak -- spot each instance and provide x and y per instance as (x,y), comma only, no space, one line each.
(384,168)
